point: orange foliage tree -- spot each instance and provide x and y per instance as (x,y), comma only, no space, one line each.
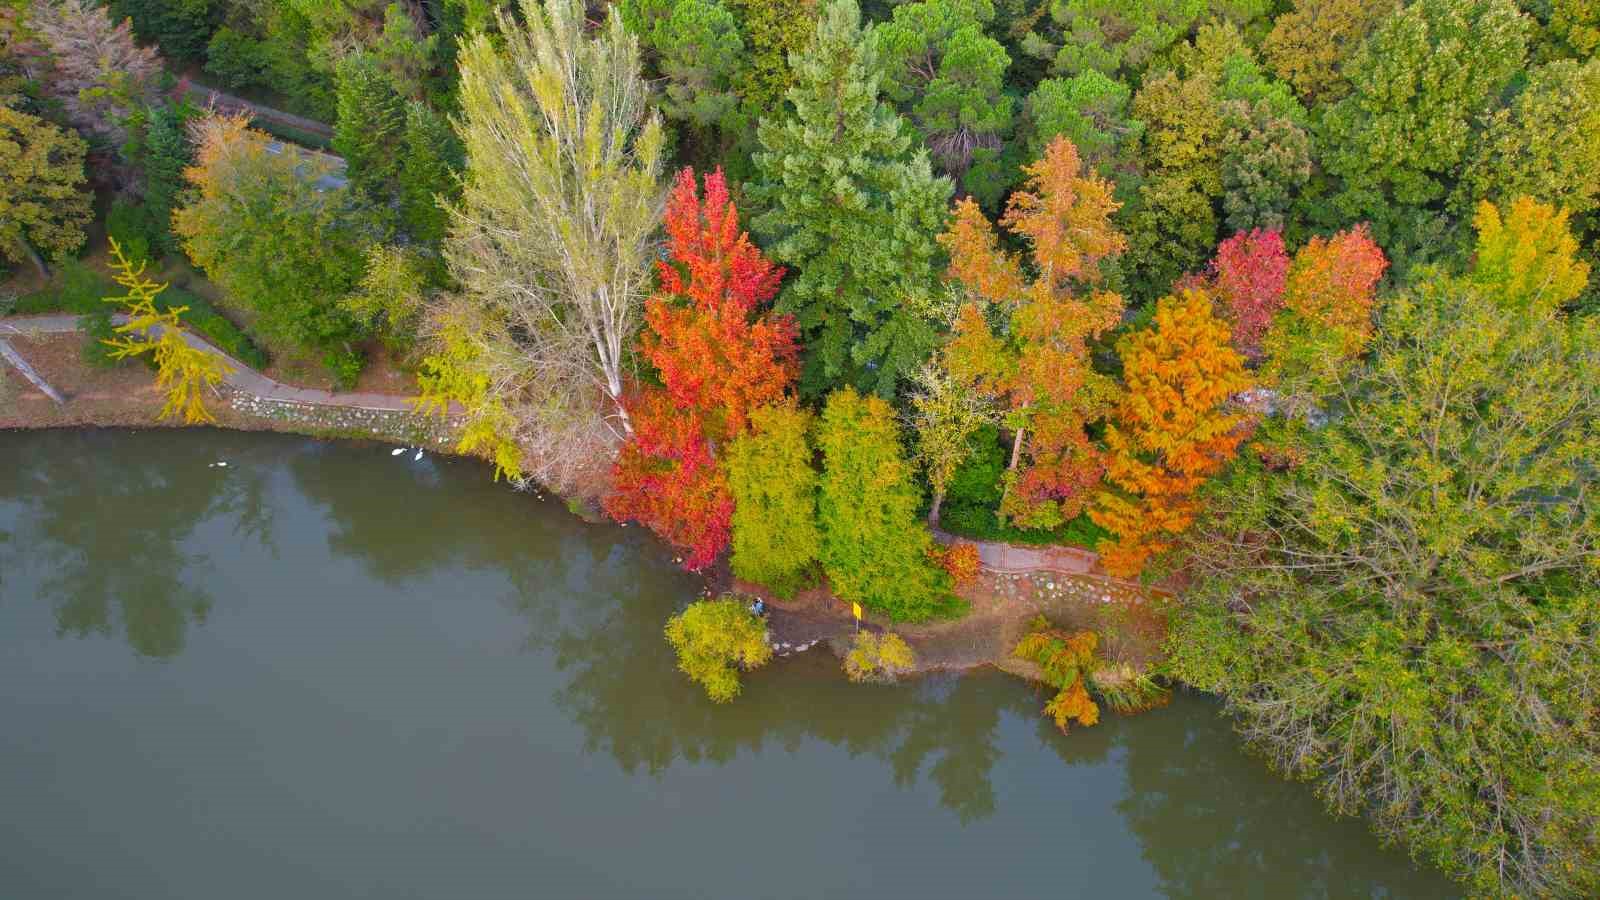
(1327,304)
(1067,661)
(1040,367)
(718,360)
(1170,432)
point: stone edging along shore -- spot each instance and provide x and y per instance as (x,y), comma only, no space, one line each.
(1017,582)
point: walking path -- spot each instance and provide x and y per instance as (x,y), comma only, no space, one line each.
(995,556)
(243,378)
(230,103)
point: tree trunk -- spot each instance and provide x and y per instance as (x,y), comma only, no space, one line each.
(933,512)
(1016,457)
(44,270)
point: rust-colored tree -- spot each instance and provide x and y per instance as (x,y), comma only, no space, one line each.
(1170,432)
(1067,660)
(717,359)
(1040,366)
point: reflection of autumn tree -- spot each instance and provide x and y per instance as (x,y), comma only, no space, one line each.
(1211,822)
(115,543)
(623,690)
(402,520)
(956,723)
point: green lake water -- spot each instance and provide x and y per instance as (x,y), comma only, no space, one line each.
(327,671)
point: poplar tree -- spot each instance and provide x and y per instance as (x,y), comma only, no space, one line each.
(553,238)
(854,210)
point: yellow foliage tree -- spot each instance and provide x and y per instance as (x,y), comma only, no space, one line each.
(183,371)
(454,375)
(878,657)
(1527,256)
(1169,433)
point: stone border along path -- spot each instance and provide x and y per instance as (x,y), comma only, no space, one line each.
(242,379)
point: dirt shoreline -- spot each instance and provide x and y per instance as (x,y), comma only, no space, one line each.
(1130,619)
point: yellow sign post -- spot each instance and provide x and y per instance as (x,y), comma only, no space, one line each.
(855,608)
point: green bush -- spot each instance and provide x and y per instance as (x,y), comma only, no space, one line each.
(974,496)
(97,329)
(236,58)
(76,288)
(346,366)
(204,319)
(134,230)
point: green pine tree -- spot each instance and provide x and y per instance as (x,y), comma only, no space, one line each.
(854,211)
(372,119)
(432,157)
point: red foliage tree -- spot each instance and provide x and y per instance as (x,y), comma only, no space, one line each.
(717,362)
(1249,274)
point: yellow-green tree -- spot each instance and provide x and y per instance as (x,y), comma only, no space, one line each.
(43,203)
(183,371)
(1527,257)
(878,657)
(716,638)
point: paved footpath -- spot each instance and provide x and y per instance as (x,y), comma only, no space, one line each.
(243,378)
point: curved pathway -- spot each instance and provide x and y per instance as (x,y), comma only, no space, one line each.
(1011,559)
(242,379)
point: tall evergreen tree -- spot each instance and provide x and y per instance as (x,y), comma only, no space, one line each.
(432,156)
(372,120)
(854,210)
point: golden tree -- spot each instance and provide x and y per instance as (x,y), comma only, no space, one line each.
(1040,366)
(183,371)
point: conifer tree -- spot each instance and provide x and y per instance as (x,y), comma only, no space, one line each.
(372,121)
(1039,365)
(874,547)
(429,164)
(1170,432)
(854,211)
(776,541)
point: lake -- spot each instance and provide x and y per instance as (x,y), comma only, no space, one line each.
(323,670)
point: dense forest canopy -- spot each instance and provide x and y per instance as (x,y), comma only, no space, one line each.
(1287,300)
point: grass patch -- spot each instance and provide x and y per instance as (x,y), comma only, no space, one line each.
(979,523)
(80,289)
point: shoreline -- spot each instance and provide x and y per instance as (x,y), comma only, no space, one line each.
(1015,585)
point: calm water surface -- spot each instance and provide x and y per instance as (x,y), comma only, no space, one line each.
(324,671)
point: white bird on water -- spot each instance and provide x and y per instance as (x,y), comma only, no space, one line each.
(418,456)
(397,451)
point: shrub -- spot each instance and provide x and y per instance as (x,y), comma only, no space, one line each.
(714,639)
(878,657)
(133,229)
(960,560)
(98,331)
(346,365)
(1068,661)
(77,288)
